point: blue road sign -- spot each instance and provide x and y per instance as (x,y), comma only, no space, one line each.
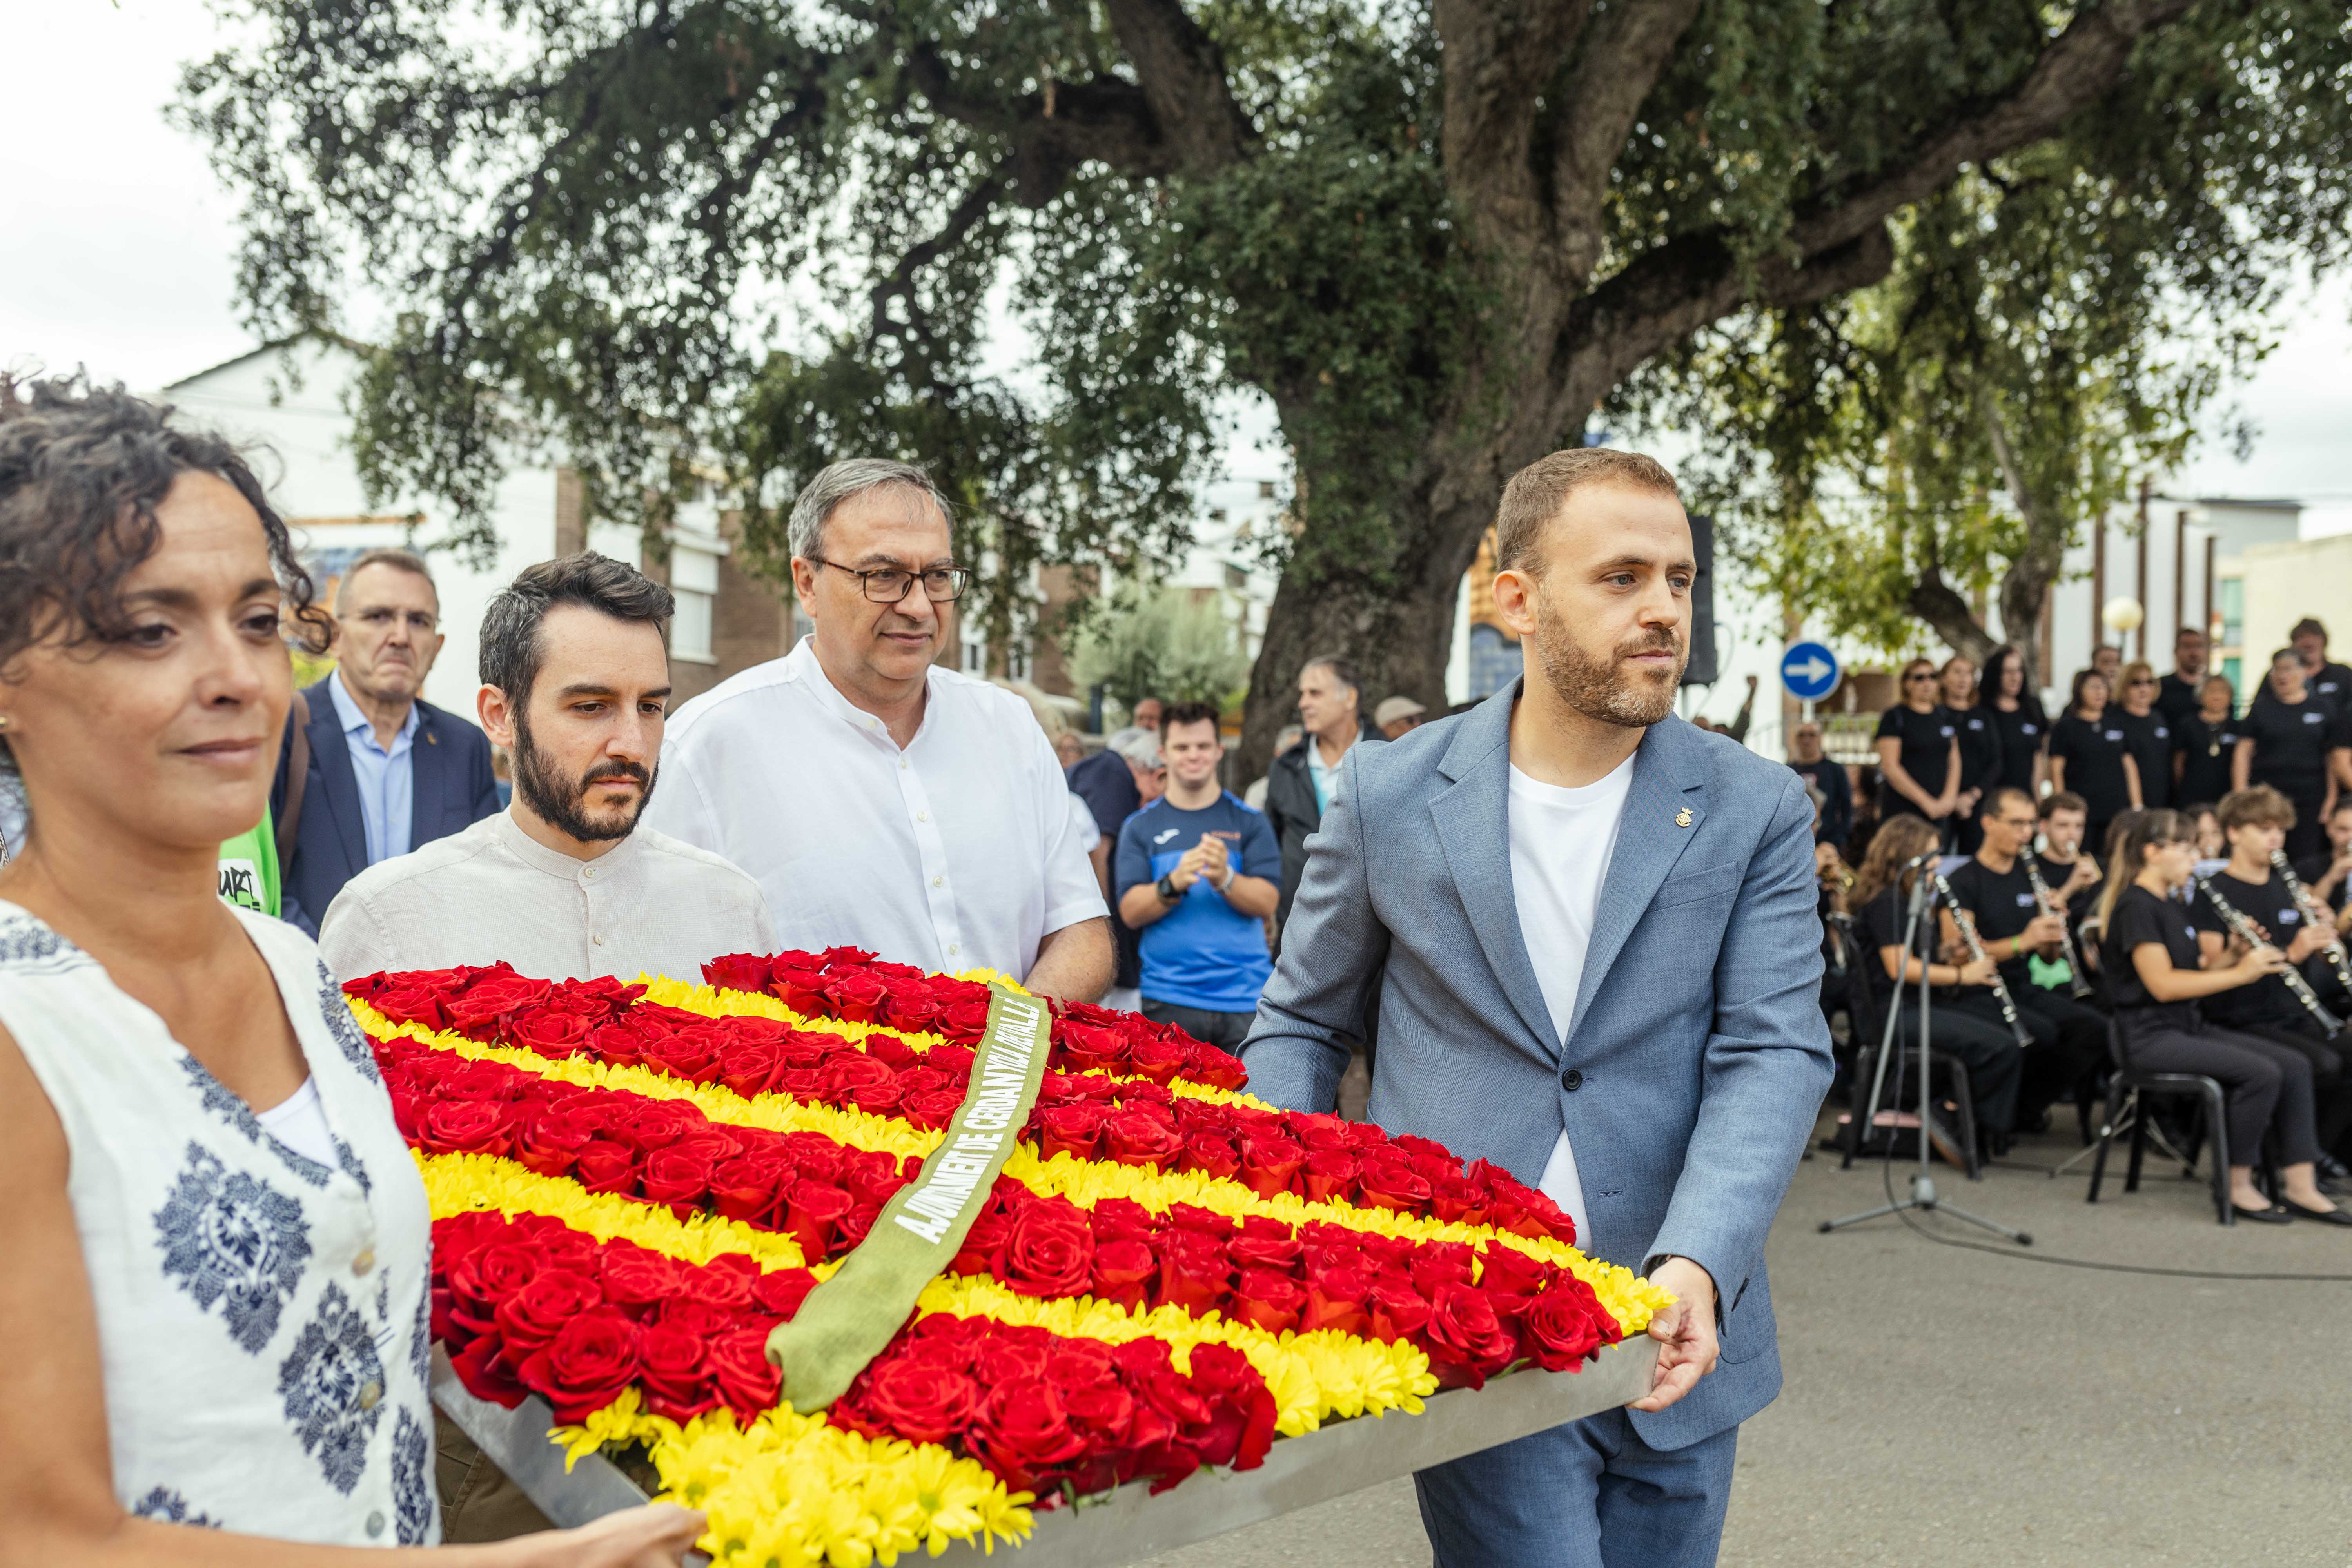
(1810,671)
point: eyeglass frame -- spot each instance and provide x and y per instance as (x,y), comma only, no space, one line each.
(961,576)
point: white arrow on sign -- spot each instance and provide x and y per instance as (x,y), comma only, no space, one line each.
(1812,669)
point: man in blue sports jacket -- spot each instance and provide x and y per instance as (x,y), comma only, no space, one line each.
(388,771)
(1595,933)
(1197,873)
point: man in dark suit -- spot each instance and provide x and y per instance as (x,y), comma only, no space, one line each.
(388,771)
(1299,781)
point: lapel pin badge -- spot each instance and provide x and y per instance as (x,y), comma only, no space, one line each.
(1682,818)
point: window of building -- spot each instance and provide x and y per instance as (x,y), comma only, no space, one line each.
(2230,594)
(693,583)
(1265,490)
(2229,668)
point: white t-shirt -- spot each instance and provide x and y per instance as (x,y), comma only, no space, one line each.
(1561,842)
(1082,824)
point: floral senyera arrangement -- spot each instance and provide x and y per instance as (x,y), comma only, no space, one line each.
(634,1185)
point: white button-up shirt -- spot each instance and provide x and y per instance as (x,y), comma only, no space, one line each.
(649,905)
(956,853)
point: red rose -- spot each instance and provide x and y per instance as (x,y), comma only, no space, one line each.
(919,1401)
(745,1187)
(1104,1411)
(1268,1299)
(1211,1154)
(550,1033)
(1270,1165)
(532,1315)
(909,1006)
(1388,1183)
(1022,1432)
(551,1138)
(802,990)
(1072,1130)
(604,1167)
(478,1367)
(1335,1299)
(855,995)
(1194,1271)
(586,1366)
(1507,1271)
(1396,1311)
(1328,1173)
(1265,1243)
(1216,1068)
(738,972)
(748,1381)
(410,1004)
(1124,1270)
(479,1281)
(679,1176)
(983,1244)
(1456,1201)
(1241,1427)
(635,1278)
(1050,1251)
(1138,1137)
(724,1282)
(691,1054)
(874,1099)
(484,1008)
(1007,1354)
(1439,1263)
(1564,1325)
(1115,1219)
(749,1066)
(846,1070)
(1080,1049)
(703,1320)
(780,1292)
(811,1212)
(966,1020)
(933,1109)
(677,1387)
(623,1043)
(1467,1343)
(466,1127)
(1159,1060)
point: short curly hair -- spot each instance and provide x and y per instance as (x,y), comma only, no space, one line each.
(82,469)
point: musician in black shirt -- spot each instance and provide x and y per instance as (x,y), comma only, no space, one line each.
(2017,713)
(2157,978)
(2087,757)
(2328,874)
(1987,1049)
(2205,745)
(1918,752)
(2283,742)
(2254,821)
(1826,775)
(1980,738)
(2177,694)
(2072,871)
(2069,1040)
(2147,735)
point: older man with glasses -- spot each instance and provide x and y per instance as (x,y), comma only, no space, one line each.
(387,771)
(880,799)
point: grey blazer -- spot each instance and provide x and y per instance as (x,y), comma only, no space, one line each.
(1697,1057)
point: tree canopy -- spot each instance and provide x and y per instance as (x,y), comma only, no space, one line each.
(1434,236)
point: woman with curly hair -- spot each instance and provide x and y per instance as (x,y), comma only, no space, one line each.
(216,1306)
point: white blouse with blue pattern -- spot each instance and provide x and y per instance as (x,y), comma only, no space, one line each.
(262,1316)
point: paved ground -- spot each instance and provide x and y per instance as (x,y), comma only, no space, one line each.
(1946,1408)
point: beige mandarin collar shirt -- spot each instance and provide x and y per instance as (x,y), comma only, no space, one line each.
(650,904)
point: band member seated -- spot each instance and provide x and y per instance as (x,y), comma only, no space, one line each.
(2073,873)
(2255,822)
(2160,979)
(1883,901)
(2070,1039)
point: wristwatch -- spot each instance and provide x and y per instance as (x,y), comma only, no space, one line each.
(1167,889)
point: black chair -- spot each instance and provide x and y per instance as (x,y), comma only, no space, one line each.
(2139,1084)
(1866,1028)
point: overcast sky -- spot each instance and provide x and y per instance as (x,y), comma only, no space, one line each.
(120,249)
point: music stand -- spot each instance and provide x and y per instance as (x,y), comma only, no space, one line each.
(1923,1183)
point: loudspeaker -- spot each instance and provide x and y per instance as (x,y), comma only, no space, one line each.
(1701,670)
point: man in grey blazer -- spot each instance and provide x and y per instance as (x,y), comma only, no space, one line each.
(1594,934)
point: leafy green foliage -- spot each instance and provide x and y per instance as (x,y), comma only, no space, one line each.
(1175,645)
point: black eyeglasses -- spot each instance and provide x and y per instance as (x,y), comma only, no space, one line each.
(1921,675)
(890,584)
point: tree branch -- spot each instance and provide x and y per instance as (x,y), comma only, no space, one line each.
(1498,55)
(1620,63)
(2075,71)
(1183,74)
(900,284)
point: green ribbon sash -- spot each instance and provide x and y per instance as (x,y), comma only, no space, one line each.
(847,1320)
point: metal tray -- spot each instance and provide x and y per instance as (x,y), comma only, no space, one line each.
(1129,1524)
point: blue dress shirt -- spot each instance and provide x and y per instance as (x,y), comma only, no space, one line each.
(387,781)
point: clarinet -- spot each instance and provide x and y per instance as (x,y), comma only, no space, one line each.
(1967,925)
(2243,930)
(2312,911)
(2081,987)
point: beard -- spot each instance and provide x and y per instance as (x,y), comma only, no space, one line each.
(561,802)
(1600,687)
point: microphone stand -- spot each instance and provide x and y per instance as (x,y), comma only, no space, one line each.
(1923,1184)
